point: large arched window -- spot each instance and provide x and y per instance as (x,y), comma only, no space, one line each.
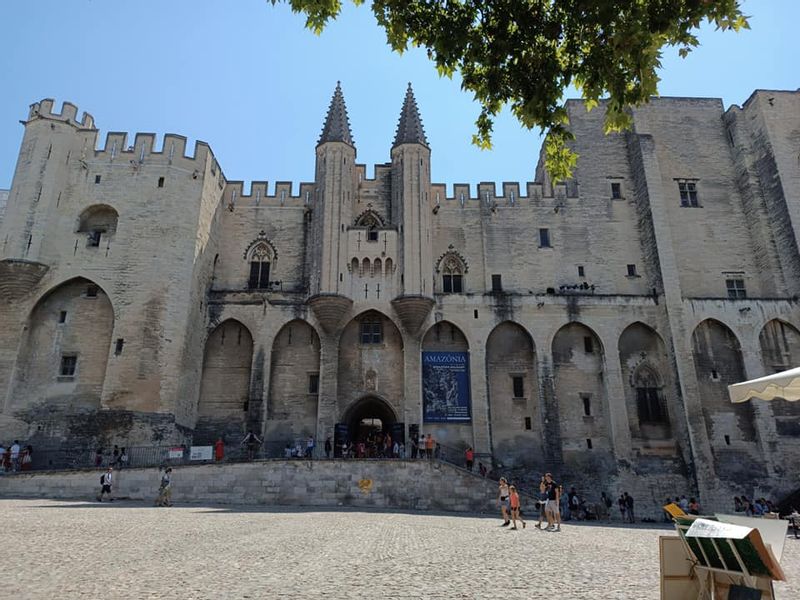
(649,399)
(452,267)
(452,276)
(260,260)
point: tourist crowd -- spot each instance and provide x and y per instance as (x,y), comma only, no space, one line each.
(15,458)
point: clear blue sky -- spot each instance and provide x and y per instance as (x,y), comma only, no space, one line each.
(248,79)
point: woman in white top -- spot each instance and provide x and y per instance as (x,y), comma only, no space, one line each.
(502,500)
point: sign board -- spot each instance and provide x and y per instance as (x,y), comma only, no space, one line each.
(201,452)
(445,387)
(175,453)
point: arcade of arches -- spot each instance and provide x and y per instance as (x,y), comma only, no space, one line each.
(371,387)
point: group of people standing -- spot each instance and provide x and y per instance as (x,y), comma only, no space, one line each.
(15,458)
(509,502)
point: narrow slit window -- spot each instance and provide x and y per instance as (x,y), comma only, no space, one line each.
(587,405)
(161,182)
(313,383)
(518,384)
(91,291)
(62,316)
(544,238)
(527,423)
(97,179)
(589,443)
(588,344)
(616,191)
(497,283)
(632,271)
(581,271)
(118,346)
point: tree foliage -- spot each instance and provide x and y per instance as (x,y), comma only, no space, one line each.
(525,53)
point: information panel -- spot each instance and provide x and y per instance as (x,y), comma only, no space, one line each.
(445,387)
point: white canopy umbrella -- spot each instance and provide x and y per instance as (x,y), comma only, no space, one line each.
(785,385)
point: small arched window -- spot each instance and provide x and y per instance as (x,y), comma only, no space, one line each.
(649,398)
(365,267)
(97,221)
(354,266)
(389,267)
(260,260)
(377,268)
(452,276)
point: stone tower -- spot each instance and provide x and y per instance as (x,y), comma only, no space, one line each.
(335,189)
(411,181)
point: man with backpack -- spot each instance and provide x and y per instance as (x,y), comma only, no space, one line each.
(106,480)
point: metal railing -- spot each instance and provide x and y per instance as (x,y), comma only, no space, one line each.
(64,459)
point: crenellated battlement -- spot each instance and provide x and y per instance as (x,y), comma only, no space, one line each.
(234,195)
(69,113)
(512,193)
(173,146)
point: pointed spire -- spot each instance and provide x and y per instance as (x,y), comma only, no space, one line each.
(337,125)
(409,129)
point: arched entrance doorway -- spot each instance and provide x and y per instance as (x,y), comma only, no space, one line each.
(368,421)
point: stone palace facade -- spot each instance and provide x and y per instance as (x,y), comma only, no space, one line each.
(589,327)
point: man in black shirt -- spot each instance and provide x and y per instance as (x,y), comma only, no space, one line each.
(551,509)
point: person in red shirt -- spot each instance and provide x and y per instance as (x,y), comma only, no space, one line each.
(219,450)
(513,497)
(469,455)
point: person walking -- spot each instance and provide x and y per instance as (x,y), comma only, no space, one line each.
(26,462)
(310,447)
(106,481)
(553,501)
(429,443)
(14,455)
(98,457)
(622,507)
(328,447)
(219,450)
(165,489)
(469,458)
(629,507)
(115,456)
(513,498)
(502,500)
(251,441)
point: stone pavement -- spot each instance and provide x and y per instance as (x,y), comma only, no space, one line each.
(61,550)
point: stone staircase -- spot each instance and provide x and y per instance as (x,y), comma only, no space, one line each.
(388,484)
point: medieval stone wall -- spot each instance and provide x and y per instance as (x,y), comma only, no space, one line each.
(597,313)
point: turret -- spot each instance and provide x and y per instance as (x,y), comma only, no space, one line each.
(50,142)
(411,181)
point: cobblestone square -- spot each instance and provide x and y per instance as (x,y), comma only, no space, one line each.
(63,550)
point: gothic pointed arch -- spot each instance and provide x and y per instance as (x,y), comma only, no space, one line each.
(513,395)
(261,255)
(261,247)
(64,348)
(647,371)
(580,412)
(452,267)
(294,381)
(224,404)
(370,361)
(718,363)
(780,350)
(370,219)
